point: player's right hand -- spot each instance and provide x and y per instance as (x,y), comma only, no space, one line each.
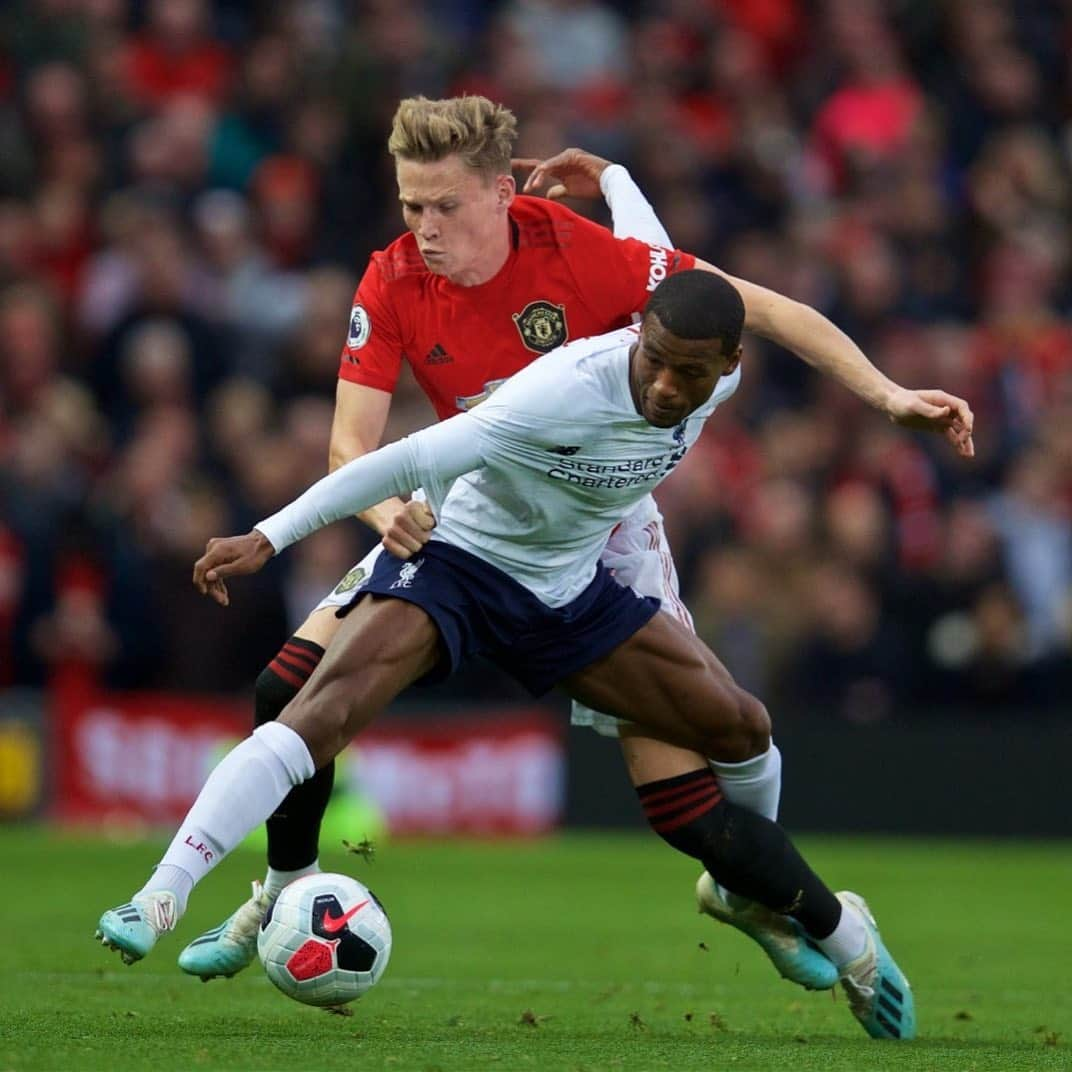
(409,529)
(570,173)
(935,411)
(227,557)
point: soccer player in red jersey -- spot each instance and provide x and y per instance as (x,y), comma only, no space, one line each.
(483,283)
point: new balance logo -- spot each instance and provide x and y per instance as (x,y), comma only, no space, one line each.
(407,573)
(567,451)
(438,356)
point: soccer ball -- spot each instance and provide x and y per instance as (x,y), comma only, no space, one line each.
(326,940)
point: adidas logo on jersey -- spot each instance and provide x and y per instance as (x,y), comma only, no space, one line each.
(438,356)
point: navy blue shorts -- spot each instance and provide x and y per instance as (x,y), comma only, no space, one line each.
(479,610)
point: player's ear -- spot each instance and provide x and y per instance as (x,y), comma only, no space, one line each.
(505,190)
(733,361)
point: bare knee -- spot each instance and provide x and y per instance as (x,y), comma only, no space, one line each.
(757,724)
(745,729)
(388,647)
(317,724)
(330,709)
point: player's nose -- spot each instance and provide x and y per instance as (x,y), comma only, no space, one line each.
(665,388)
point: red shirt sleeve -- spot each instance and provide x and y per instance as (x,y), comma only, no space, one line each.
(372,352)
(628,269)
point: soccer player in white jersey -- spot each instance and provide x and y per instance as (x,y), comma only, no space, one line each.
(483,282)
(526,489)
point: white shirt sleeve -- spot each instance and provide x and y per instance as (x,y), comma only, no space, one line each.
(434,455)
(631,211)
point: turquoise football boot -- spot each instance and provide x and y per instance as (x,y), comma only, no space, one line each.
(132,929)
(796,957)
(228,948)
(879,994)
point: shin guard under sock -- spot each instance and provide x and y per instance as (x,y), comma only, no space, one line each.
(240,793)
(294,828)
(741,850)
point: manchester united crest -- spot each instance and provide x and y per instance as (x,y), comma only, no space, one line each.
(542,326)
(350,581)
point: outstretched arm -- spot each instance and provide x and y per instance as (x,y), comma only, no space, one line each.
(360,418)
(575,173)
(816,340)
(434,455)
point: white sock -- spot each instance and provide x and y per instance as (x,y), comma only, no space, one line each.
(848,940)
(173,879)
(247,785)
(275,880)
(755,784)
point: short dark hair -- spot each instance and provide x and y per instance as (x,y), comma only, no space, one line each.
(696,304)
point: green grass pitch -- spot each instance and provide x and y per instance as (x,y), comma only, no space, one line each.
(580,953)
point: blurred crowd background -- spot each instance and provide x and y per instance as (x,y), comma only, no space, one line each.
(189,193)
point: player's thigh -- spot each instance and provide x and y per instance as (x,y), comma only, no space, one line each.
(664,679)
(380,647)
(320,627)
(651,759)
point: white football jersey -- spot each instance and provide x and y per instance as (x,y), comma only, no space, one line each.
(532,480)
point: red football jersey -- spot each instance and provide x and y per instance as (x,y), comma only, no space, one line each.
(566,278)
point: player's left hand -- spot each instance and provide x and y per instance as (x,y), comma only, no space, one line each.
(409,529)
(227,557)
(935,411)
(570,173)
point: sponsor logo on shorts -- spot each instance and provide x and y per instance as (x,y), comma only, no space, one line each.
(351,580)
(360,328)
(407,573)
(542,326)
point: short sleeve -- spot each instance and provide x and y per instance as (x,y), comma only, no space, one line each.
(372,352)
(627,270)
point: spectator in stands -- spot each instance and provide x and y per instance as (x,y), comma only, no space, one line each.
(187,188)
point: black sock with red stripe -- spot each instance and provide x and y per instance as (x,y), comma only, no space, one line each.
(741,850)
(294,829)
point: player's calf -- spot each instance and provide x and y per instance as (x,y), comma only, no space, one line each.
(294,828)
(245,788)
(743,851)
(751,856)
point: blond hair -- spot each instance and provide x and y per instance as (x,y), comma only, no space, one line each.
(478,130)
